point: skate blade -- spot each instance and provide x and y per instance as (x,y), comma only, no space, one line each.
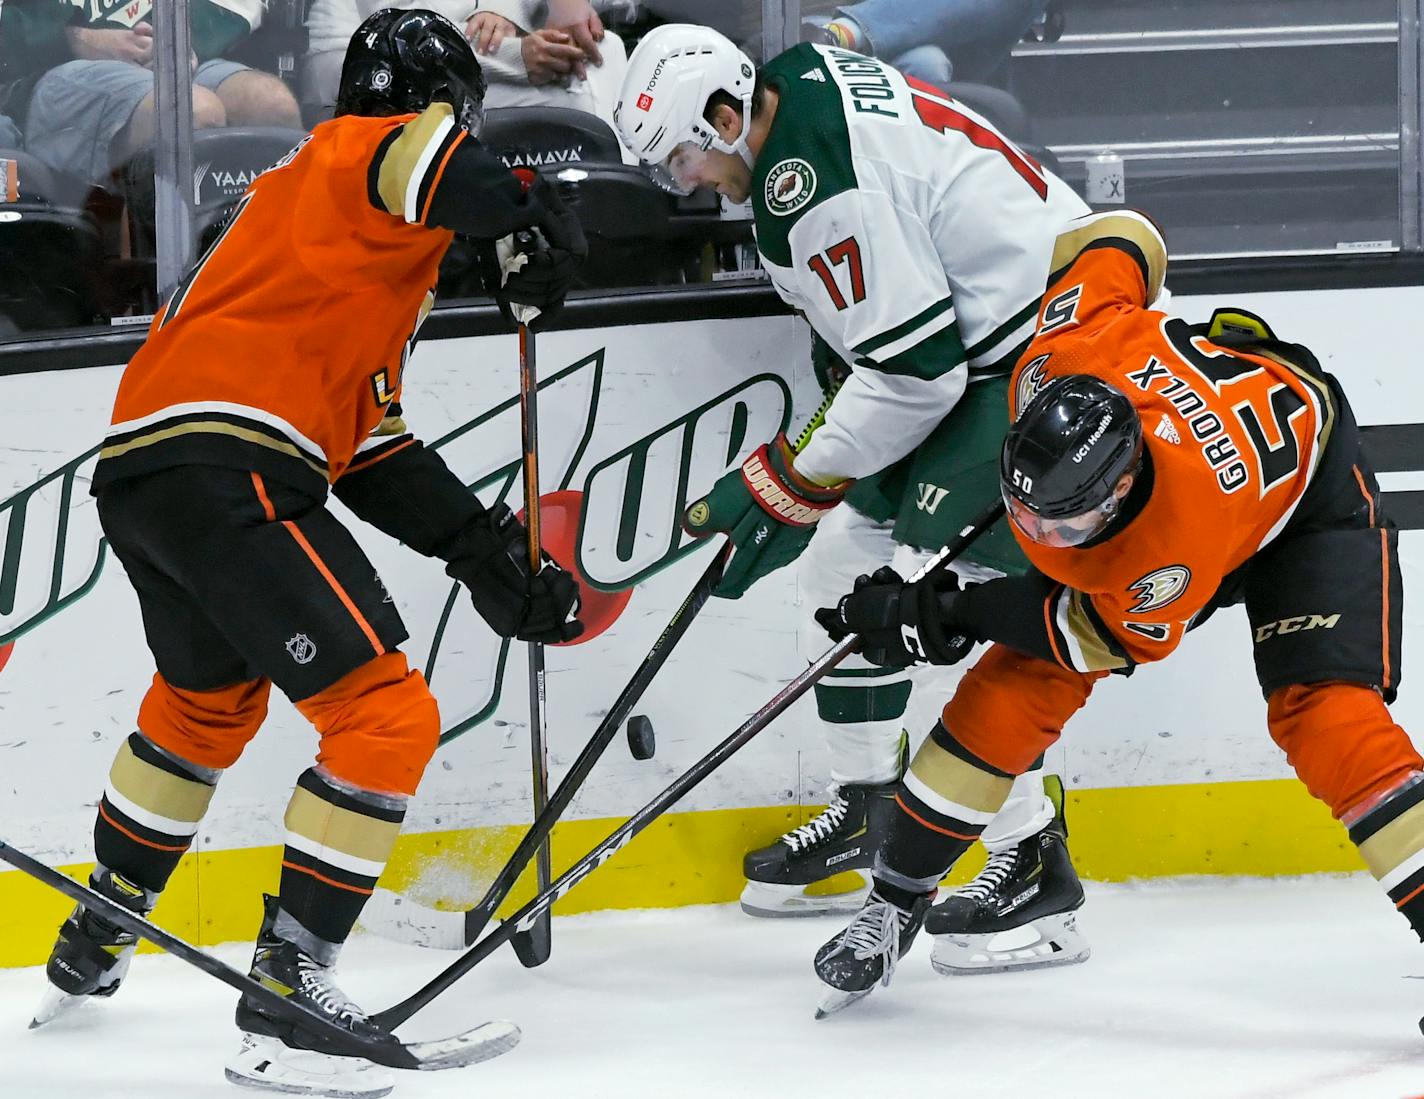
(265,1064)
(1044,944)
(775,902)
(53,1004)
(835,1000)
(483,1043)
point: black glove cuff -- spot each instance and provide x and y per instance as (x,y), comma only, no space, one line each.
(945,635)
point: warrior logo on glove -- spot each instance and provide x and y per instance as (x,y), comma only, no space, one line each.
(767,509)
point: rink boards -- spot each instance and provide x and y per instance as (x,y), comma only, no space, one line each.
(1170,772)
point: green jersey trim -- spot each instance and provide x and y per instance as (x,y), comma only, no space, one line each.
(930,357)
(889,343)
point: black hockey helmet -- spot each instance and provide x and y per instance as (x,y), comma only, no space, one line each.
(1064,456)
(401,61)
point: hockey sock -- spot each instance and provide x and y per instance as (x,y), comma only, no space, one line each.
(1351,755)
(149,812)
(945,799)
(338,840)
(1390,836)
(863,709)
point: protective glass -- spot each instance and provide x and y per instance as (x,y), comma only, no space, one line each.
(683,171)
(1065,532)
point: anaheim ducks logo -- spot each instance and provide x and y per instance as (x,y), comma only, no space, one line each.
(1032,378)
(1159,587)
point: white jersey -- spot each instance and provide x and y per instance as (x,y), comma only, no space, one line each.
(912,234)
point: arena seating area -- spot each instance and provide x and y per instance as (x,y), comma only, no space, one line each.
(1246,129)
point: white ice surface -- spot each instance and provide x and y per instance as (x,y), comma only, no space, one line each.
(1298,989)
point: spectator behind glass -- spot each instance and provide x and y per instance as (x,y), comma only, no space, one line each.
(32,41)
(933,40)
(90,114)
(534,53)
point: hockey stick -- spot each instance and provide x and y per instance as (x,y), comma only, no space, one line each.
(396,917)
(539,907)
(534,943)
(479,1044)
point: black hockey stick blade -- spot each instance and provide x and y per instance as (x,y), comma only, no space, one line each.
(642,741)
(396,917)
(534,946)
(522,920)
(479,1044)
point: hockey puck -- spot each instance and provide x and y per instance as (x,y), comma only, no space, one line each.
(642,742)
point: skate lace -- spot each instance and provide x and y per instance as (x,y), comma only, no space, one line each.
(996,871)
(875,930)
(821,828)
(318,986)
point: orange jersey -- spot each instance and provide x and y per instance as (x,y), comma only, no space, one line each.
(282,350)
(1232,437)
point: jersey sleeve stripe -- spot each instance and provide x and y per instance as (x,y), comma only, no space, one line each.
(1129,232)
(433,178)
(903,336)
(1051,630)
(373,174)
(1101,651)
(380,453)
(1005,339)
(405,162)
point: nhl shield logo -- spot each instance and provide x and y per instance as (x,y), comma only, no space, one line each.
(302,649)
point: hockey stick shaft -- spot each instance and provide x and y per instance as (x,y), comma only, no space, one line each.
(536,942)
(341,1040)
(478,917)
(621,836)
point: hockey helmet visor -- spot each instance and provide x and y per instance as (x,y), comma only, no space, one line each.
(1064,458)
(685,169)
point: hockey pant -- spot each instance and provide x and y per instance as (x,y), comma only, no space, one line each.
(243,582)
(863,707)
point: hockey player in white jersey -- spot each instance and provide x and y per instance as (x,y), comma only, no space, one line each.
(914,238)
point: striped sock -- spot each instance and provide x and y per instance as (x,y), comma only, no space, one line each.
(1391,839)
(149,812)
(945,800)
(338,840)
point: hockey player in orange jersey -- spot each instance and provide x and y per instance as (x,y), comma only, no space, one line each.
(1154,471)
(273,375)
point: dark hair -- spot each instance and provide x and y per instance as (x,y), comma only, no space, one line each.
(720,98)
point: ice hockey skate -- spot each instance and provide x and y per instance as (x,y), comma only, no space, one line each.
(843,837)
(867,951)
(1019,913)
(278,1056)
(91,955)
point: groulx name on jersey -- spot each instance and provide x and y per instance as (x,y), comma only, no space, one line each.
(865,82)
(1217,446)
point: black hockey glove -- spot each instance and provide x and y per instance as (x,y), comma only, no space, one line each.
(490,557)
(901,624)
(551,258)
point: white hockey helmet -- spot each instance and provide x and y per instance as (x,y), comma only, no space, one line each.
(671,75)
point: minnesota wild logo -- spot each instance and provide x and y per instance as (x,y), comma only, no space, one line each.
(789,186)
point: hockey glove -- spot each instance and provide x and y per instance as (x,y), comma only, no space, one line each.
(537,267)
(768,510)
(490,557)
(902,624)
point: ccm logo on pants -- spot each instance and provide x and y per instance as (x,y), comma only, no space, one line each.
(1296,624)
